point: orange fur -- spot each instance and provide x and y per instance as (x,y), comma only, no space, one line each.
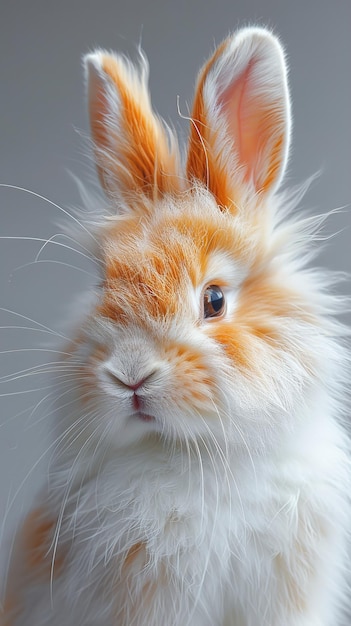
(135,555)
(148,164)
(37,536)
(34,560)
(159,277)
(255,125)
(203,163)
(135,561)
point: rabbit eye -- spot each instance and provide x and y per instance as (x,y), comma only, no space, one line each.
(214,301)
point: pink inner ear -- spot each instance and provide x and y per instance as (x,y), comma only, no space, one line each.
(256,125)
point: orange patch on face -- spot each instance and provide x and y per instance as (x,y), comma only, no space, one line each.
(152,270)
(211,234)
(191,375)
(125,300)
(235,342)
(265,303)
(263,312)
(99,353)
(137,284)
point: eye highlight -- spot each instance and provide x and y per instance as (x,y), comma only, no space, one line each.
(214,301)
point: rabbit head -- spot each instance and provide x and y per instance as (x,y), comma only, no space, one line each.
(206,326)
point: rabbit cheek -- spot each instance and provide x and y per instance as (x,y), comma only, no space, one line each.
(235,343)
(193,383)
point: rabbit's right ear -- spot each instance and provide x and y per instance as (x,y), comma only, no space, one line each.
(241,118)
(135,155)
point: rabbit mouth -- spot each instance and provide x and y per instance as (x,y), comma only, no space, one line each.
(144,417)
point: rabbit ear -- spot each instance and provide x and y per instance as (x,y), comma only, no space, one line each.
(241,118)
(133,152)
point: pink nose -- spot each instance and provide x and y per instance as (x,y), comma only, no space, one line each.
(136,385)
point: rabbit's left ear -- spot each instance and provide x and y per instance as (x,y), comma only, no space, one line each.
(241,118)
(135,156)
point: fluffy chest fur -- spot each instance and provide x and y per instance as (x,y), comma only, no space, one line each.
(193,536)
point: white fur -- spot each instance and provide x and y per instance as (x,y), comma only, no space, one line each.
(235,492)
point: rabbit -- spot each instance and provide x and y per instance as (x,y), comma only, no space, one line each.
(201,466)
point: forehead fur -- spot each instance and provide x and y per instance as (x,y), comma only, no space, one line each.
(191,219)
(184,243)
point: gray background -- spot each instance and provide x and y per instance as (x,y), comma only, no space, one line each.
(41,107)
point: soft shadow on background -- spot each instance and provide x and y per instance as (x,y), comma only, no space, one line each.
(41,109)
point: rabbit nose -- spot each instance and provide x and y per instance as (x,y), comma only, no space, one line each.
(136,386)
(128,381)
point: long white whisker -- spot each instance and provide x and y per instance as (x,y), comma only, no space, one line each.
(38,330)
(70,481)
(57,206)
(51,241)
(74,267)
(24,391)
(29,319)
(29,473)
(227,469)
(35,350)
(239,431)
(42,369)
(213,531)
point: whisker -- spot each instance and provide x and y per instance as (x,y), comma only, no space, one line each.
(57,206)
(23,392)
(44,368)
(52,447)
(14,417)
(97,446)
(54,544)
(28,422)
(62,406)
(29,319)
(74,267)
(35,350)
(239,431)
(50,241)
(227,469)
(38,330)
(213,531)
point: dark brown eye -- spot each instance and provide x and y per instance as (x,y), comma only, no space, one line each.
(214,301)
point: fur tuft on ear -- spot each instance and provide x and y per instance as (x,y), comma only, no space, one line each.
(134,153)
(241,118)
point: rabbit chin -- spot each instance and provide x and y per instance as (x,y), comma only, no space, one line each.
(166,427)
